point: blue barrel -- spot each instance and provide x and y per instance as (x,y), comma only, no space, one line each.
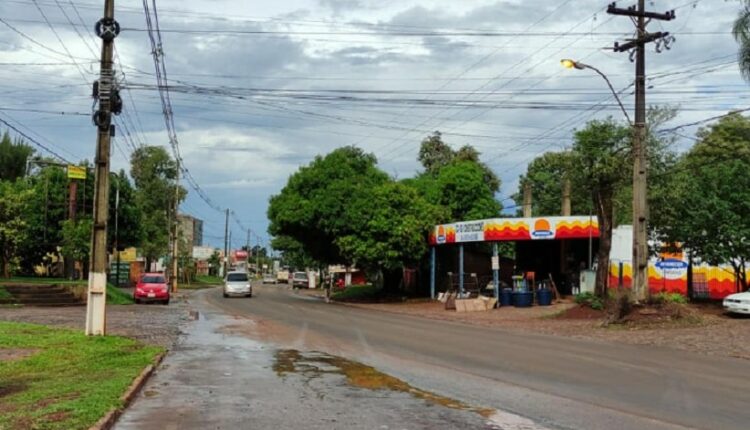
(544,297)
(523,299)
(506,297)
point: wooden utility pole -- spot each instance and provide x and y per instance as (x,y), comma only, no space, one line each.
(637,47)
(107,29)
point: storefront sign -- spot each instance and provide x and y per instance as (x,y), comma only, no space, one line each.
(512,229)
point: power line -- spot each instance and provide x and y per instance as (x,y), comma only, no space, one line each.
(34,141)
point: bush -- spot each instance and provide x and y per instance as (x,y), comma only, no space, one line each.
(590,300)
(664,297)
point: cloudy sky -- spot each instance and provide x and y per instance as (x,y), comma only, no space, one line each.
(261,87)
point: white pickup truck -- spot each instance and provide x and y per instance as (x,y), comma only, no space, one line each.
(282,276)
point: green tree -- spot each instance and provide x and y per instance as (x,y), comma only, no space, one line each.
(154,173)
(14,154)
(459,187)
(601,162)
(434,153)
(47,208)
(128,216)
(741,32)
(76,241)
(546,175)
(709,197)
(14,198)
(390,227)
(214,262)
(312,208)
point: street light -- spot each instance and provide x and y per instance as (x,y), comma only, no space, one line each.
(640,205)
(572,64)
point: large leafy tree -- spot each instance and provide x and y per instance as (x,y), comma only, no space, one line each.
(14,197)
(709,197)
(129,213)
(390,224)
(76,240)
(601,163)
(457,181)
(46,209)
(546,175)
(154,173)
(741,32)
(311,212)
(14,154)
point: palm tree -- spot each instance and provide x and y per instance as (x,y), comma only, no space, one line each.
(741,32)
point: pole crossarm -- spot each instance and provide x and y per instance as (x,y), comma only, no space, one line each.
(648,38)
(612,9)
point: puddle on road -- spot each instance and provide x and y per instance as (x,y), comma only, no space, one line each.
(314,364)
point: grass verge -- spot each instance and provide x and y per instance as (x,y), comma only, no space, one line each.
(202,282)
(116,296)
(69,380)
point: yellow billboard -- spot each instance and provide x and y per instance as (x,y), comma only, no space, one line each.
(76,172)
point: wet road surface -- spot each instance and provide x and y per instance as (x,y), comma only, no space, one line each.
(532,381)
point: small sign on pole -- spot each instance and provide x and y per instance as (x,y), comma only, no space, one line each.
(495,262)
(76,172)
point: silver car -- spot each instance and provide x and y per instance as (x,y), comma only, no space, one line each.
(237,284)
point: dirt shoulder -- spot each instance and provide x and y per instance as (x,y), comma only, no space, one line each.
(714,333)
(152,324)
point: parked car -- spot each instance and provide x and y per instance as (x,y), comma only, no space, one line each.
(237,284)
(738,303)
(299,280)
(152,287)
(269,278)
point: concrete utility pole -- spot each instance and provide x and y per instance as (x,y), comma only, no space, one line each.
(566,186)
(637,47)
(226,243)
(527,213)
(107,29)
(175,225)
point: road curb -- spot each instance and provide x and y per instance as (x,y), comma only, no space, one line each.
(110,418)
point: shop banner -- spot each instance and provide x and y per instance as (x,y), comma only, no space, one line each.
(512,229)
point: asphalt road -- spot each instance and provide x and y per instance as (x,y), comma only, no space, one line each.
(554,382)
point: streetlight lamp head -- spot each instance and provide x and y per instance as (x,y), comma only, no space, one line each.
(570,64)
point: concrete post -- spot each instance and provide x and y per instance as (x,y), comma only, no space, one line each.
(461,269)
(496,272)
(432,272)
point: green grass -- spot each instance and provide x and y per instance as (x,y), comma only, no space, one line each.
(116,296)
(70,380)
(357,293)
(4,294)
(213,280)
(202,282)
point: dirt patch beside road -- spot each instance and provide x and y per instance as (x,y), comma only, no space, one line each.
(150,324)
(713,334)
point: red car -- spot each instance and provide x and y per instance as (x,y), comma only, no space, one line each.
(152,287)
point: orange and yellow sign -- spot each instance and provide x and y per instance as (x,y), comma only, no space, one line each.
(511,229)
